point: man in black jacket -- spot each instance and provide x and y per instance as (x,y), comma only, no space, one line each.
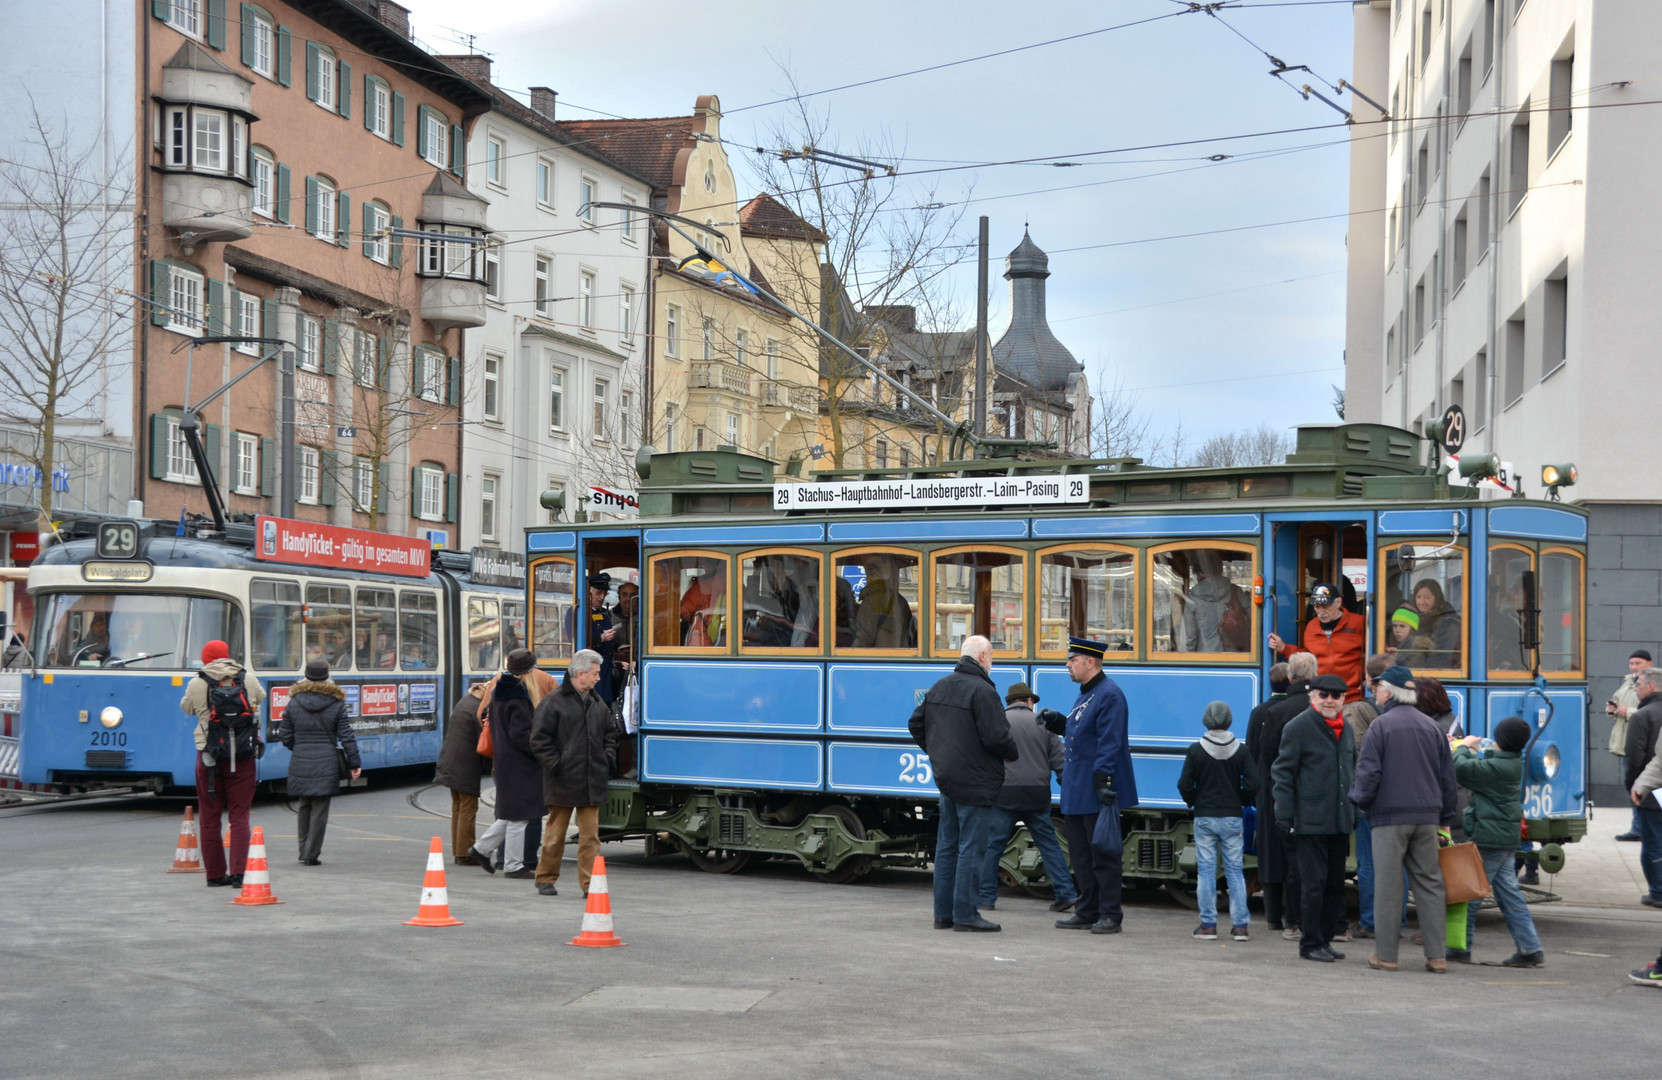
(961,726)
(1643,726)
(1277,862)
(1312,774)
(574,738)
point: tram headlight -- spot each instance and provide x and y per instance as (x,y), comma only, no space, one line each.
(110,717)
(1479,466)
(1555,476)
(1544,762)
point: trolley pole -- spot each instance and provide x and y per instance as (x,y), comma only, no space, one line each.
(981,333)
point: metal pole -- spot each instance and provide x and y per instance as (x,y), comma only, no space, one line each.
(981,333)
(285,456)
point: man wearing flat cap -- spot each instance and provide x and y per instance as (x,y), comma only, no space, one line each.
(1096,780)
(599,634)
(1312,771)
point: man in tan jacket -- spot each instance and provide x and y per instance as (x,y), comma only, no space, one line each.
(226,784)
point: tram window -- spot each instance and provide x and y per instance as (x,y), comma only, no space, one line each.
(877,599)
(1089,592)
(329,625)
(1201,600)
(513,627)
(1507,566)
(484,634)
(689,601)
(375,637)
(781,601)
(553,596)
(274,610)
(132,631)
(1422,619)
(980,592)
(418,630)
(211,620)
(1560,604)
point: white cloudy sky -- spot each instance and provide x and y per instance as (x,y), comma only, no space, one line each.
(1222,331)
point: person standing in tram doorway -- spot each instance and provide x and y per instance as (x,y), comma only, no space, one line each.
(1096,780)
(1338,638)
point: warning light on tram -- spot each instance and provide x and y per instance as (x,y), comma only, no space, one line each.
(1553,476)
(1479,466)
(110,717)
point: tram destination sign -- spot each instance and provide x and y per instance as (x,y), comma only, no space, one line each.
(311,543)
(968,493)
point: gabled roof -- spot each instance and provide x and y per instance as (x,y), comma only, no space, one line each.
(193,57)
(644,147)
(766,216)
(445,184)
(521,113)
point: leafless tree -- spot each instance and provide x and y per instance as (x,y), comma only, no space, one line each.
(1119,426)
(64,237)
(1339,401)
(1262,445)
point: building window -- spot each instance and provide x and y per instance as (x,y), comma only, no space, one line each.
(204,140)
(265,184)
(545,183)
(882,453)
(542,299)
(1560,116)
(184,300)
(492,401)
(698,438)
(248,322)
(625,315)
(488,485)
(1517,175)
(493,273)
(185,16)
(307,489)
(459,259)
(430,493)
(363,484)
(601,429)
(377,241)
(625,414)
(671,414)
(585,200)
(181,467)
(741,347)
(628,227)
(585,299)
(433,138)
(309,344)
(672,331)
(367,349)
(496,151)
(732,429)
(258,34)
(427,374)
(1555,341)
(248,465)
(322,79)
(323,208)
(709,338)
(556,398)
(378,108)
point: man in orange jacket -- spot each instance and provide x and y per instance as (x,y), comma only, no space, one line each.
(1337,637)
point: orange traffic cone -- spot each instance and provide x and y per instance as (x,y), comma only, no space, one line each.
(435,898)
(597,916)
(187,858)
(256,877)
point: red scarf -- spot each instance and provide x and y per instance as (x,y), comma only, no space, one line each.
(1337,723)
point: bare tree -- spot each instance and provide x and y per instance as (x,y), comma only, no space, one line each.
(1262,445)
(63,236)
(1119,427)
(1339,401)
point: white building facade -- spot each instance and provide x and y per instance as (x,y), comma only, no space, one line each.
(1501,258)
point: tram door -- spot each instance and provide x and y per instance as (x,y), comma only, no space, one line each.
(1306,550)
(617,558)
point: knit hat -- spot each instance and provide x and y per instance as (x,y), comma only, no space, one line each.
(317,670)
(1408,616)
(520,661)
(1019,692)
(1512,734)
(1640,654)
(1397,675)
(1217,716)
(215,650)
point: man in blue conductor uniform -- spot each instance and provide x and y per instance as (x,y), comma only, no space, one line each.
(1096,779)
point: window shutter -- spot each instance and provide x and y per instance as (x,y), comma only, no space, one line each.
(421,130)
(452,495)
(282,58)
(311,204)
(455,397)
(158,444)
(311,71)
(343,218)
(458,151)
(216,24)
(345,82)
(385,501)
(383,362)
(331,347)
(268,466)
(216,307)
(247,35)
(369,102)
(397,120)
(162,9)
(268,323)
(395,243)
(415,491)
(161,289)
(282,195)
(418,366)
(369,228)
(210,447)
(326,478)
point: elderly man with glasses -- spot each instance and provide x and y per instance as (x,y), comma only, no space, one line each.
(1338,638)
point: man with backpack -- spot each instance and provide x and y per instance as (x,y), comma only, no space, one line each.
(225,699)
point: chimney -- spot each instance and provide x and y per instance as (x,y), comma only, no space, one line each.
(542,101)
(472,66)
(394,15)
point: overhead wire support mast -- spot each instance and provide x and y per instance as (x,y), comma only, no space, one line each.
(827,157)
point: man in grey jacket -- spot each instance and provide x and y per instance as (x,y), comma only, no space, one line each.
(1025,798)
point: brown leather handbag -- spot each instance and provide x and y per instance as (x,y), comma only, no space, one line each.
(1463,876)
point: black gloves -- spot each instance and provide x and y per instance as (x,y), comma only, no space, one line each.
(1103,784)
(1053,721)
(1285,828)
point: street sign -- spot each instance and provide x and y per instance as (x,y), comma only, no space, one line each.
(1454,429)
(346,433)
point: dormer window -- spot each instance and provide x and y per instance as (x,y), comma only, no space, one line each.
(194,138)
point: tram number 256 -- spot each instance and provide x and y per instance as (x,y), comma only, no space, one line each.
(108,738)
(914,769)
(1537,801)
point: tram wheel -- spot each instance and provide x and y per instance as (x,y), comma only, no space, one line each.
(715,860)
(855,866)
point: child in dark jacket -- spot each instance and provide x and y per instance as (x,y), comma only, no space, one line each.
(1219,779)
(1492,821)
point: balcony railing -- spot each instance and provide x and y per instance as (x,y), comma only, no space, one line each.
(718,375)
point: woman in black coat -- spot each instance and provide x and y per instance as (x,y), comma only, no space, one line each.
(312,725)
(518,773)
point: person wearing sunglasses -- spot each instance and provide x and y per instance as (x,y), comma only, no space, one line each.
(1338,638)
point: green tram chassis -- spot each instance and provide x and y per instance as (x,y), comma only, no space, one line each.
(839,839)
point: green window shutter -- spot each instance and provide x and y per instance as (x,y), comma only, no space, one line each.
(458,151)
(210,446)
(343,218)
(385,501)
(345,89)
(395,243)
(311,71)
(331,347)
(268,466)
(383,363)
(158,445)
(398,120)
(268,323)
(455,397)
(284,39)
(421,130)
(326,479)
(216,307)
(282,195)
(369,102)
(162,9)
(452,495)
(161,289)
(311,204)
(247,35)
(415,491)
(216,24)
(369,228)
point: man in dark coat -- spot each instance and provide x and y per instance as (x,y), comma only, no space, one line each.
(1277,862)
(1311,774)
(312,725)
(961,726)
(1096,780)
(599,635)
(1025,798)
(574,738)
(460,767)
(1644,725)
(518,776)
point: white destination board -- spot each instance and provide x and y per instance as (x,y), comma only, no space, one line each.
(966,492)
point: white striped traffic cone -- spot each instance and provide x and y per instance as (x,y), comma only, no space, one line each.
(256,877)
(435,898)
(187,858)
(597,915)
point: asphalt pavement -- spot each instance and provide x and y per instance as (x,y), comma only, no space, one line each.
(115,968)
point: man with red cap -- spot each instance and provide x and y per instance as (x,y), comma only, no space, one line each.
(224,780)
(1338,639)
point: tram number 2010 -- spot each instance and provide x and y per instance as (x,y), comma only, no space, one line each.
(914,769)
(108,738)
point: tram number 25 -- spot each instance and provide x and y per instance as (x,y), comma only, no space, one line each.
(108,738)
(914,769)
(1537,801)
